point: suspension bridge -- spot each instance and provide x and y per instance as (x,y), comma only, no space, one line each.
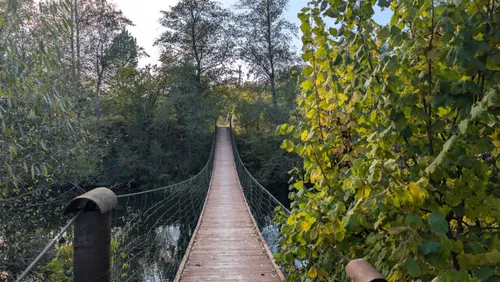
(227,244)
(215,226)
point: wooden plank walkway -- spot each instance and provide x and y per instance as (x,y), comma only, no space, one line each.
(227,244)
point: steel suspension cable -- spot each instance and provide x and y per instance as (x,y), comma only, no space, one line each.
(48,246)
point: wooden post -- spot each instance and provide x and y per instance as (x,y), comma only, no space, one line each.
(92,235)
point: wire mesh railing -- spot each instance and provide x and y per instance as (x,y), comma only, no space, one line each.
(261,202)
(150,230)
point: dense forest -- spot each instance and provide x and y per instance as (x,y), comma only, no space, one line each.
(77,111)
(389,134)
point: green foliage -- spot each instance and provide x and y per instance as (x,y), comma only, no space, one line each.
(148,131)
(60,268)
(255,118)
(399,134)
(76,112)
(199,33)
(265,36)
(43,145)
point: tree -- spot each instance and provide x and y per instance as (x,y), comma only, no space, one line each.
(43,147)
(400,147)
(87,54)
(200,32)
(124,51)
(100,23)
(265,39)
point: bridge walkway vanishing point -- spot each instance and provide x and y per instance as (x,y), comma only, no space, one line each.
(227,244)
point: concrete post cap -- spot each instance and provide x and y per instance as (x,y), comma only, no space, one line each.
(361,271)
(101,199)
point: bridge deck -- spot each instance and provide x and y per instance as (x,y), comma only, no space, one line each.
(227,244)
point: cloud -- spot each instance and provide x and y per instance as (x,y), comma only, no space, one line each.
(145,15)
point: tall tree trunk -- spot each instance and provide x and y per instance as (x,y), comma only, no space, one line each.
(270,55)
(72,42)
(98,98)
(78,61)
(198,71)
(273,88)
(239,76)
(195,47)
(100,73)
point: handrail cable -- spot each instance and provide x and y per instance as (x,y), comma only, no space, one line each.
(71,222)
(238,158)
(48,246)
(176,184)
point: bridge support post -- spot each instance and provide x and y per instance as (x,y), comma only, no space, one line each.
(362,271)
(92,235)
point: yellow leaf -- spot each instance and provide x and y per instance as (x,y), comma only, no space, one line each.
(282,129)
(342,98)
(313,272)
(396,275)
(442,111)
(301,214)
(304,134)
(311,113)
(307,85)
(306,223)
(418,195)
(373,116)
(364,192)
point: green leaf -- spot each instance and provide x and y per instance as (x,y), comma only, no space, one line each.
(413,267)
(44,147)
(307,70)
(390,165)
(301,253)
(44,169)
(414,221)
(484,273)
(307,85)
(333,31)
(429,247)
(438,223)
(396,230)
(463,125)
(450,74)
(477,111)
(450,143)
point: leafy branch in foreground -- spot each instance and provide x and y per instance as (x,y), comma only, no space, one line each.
(399,140)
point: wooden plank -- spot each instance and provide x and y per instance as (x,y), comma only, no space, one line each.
(227,244)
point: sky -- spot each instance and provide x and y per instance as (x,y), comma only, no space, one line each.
(146,13)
